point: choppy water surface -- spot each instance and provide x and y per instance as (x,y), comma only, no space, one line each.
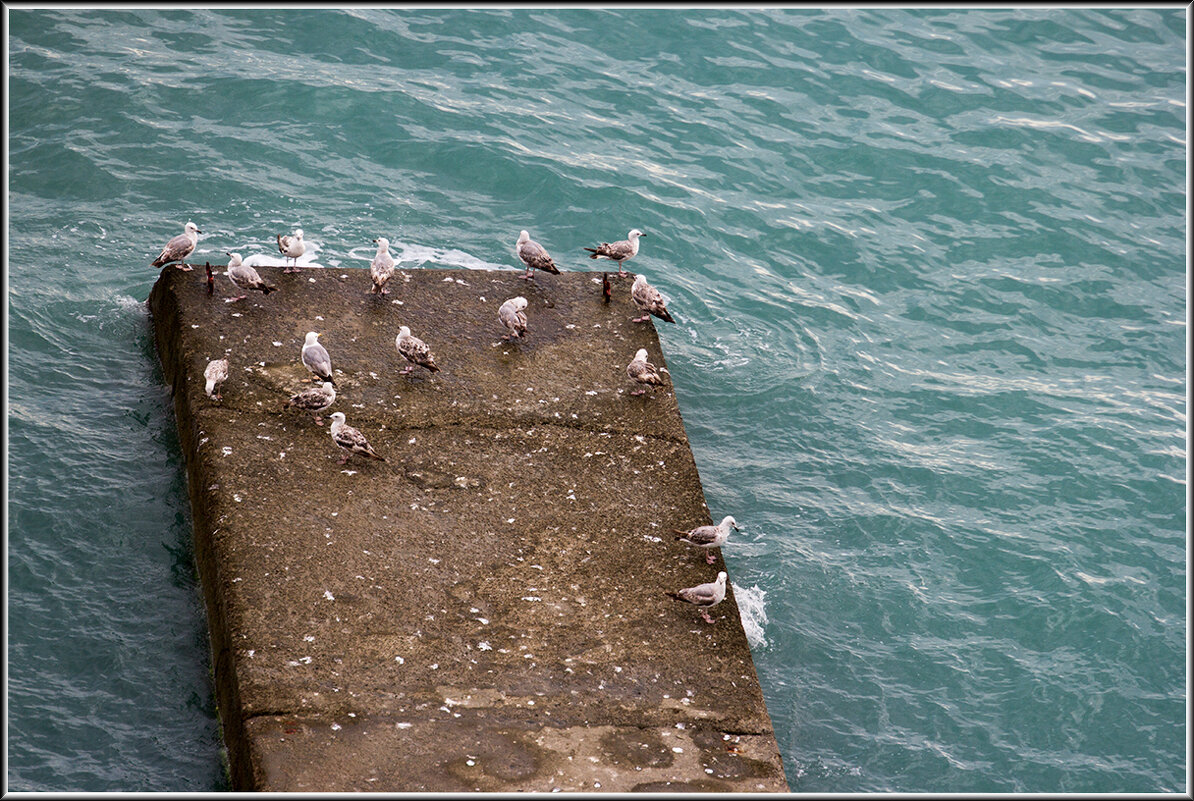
(930,273)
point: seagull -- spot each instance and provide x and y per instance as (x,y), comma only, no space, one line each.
(414,350)
(353,441)
(648,300)
(708,537)
(513,315)
(618,251)
(533,255)
(245,277)
(704,596)
(178,248)
(292,247)
(382,267)
(316,359)
(216,373)
(314,400)
(643,371)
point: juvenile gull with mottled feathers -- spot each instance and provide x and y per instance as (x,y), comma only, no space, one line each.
(245,277)
(414,350)
(533,255)
(314,400)
(648,299)
(350,440)
(512,313)
(618,251)
(178,248)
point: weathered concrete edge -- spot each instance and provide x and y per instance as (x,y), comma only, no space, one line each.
(165,318)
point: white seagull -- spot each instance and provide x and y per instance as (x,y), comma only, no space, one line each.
(178,248)
(292,247)
(704,596)
(618,251)
(314,400)
(382,267)
(350,440)
(648,300)
(245,277)
(643,372)
(216,374)
(414,350)
(708,537)
(316,359)
(513,315)
(533,255)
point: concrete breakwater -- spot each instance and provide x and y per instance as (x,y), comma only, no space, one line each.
(485,609)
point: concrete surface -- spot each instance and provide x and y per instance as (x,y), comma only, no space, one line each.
(485,609)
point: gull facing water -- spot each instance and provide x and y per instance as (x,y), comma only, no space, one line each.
(381,268)
(618,251)
(703,596)
(708,537)
(292,247)
(178,248)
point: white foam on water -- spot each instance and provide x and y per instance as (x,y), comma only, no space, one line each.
(751,605)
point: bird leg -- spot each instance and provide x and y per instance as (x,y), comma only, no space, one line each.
(344,460)
(638,392)
(182,265)
(710,558)
(705,615)
(642,319)
(406,370)
(318,420)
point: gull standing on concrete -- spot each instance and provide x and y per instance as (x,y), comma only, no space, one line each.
(314,400)
(316,359)
(178,248)
(292,247)
(648,300)
(513,315)
(382,267)
(216,374)
(618,251)
(704,596)
(350,440)
(414,350)
(245,277)
(708,537)
(533,255)
(643,372)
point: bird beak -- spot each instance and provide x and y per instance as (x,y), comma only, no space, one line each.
(198,231)
(226,253)
(375,241)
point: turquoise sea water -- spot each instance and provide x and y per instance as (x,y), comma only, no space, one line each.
(930,272)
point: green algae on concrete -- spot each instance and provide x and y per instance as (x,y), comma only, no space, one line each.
(485,609)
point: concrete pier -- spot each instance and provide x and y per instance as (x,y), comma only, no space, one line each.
(485,609)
